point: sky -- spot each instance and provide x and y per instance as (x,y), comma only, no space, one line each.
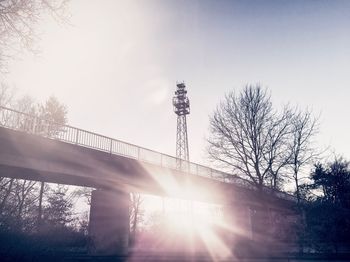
(116,63)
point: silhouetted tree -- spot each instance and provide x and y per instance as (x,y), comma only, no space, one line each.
(18,208)
(6,95)
(51,116)
(136,214)
(327,217)
(58,209)
(250,137)
(334,182)
(301,145)
(7,204)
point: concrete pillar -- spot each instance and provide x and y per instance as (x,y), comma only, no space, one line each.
(109,222)
(262,225)
(238,218)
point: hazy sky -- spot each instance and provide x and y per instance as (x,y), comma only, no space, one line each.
(117,64)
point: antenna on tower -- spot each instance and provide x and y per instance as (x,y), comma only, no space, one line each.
(181,105)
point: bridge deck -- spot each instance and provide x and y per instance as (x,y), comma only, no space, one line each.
(41,149)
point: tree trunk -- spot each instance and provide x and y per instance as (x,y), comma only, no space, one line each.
(40,205)
(297,190)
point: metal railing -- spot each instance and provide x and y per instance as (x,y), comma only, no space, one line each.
(31,124)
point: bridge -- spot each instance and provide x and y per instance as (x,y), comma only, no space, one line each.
(37,149)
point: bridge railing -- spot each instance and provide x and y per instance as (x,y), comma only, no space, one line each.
(31,124)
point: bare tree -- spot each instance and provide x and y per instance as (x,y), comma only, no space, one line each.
(135,213)
(301,146)
(84,193)
(24,190)
(6,95)
(277,148)
(18,203)
(248,136)
(6,185)
(17,24)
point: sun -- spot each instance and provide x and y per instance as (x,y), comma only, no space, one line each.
(194,223)
(186,224)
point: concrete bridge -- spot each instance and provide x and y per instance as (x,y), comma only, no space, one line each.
(36,149)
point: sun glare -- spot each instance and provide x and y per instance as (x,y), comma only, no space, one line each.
(197,226)
(194,222)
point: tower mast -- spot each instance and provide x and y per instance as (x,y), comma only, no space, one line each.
(181,105)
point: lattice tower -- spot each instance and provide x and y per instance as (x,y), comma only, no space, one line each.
(181,105)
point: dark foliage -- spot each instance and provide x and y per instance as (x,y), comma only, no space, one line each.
(52,244)
(327,215)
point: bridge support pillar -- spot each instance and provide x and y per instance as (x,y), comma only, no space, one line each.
(238,218)
(109,222)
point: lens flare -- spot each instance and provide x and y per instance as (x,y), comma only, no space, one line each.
(189,225)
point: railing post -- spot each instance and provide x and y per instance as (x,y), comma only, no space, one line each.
(77,137)
(138,153)
(111,146)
